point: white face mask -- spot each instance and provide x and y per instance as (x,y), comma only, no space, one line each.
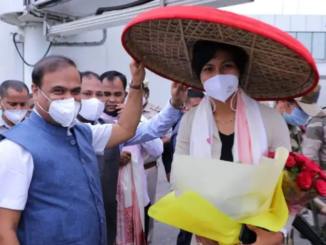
(91,109)
(14,116)
(221,87)
(64,111)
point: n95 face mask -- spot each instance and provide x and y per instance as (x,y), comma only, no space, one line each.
(221,87)
(91,109)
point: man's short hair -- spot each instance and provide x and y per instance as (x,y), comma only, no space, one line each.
(14,84)
(193,93)
(49,64)
(111,75)
(89,74)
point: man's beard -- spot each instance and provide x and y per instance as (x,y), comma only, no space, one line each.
(112,113)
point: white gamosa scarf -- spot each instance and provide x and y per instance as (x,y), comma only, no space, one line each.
(250,140)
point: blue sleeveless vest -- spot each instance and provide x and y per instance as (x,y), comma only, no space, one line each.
(64,203)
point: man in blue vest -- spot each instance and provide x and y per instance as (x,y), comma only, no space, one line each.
(50,184)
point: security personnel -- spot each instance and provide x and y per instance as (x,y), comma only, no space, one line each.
(149,110)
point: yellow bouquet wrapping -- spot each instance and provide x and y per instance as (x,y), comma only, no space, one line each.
(213,198)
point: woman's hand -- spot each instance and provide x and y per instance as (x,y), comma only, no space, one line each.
(266,237)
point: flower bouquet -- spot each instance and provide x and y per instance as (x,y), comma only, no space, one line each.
(251,194)
(303,181)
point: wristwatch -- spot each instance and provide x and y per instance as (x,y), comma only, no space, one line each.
(285,236)
(178,107)
(136,87)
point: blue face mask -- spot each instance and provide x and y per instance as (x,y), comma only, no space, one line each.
(296,118)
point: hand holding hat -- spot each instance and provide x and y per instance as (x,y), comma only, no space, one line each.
(137,72)
(179,95)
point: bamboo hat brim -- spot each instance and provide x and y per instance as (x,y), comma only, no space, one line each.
(279,66)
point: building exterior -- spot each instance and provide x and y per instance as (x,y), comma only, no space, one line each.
(308,29)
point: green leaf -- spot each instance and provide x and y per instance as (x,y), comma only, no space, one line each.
(294,172)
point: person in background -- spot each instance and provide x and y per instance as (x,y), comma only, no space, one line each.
(92,98)
(304,113)
(53,193)
(30,105)
(194,97)
(114,88)
(149,110)
(92,106)
(14,103)
(314,144)
(296,119)
(151,162)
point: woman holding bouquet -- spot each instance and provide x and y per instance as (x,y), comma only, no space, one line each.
(220,67)
(236,60)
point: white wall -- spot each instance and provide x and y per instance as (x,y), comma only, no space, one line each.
(11,66)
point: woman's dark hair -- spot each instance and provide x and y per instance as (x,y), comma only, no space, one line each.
(49,64)
(204,51)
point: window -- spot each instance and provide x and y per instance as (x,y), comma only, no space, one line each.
(306,39)
(315,42)
(318,48)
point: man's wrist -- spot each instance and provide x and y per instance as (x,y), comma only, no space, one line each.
(135,85)
(177,105)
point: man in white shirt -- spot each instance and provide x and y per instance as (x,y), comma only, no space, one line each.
(14,103)
(48,166)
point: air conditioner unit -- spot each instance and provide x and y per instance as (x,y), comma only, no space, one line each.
(39,2)
(123,16)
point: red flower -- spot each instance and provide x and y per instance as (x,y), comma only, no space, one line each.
(301,159)
(320,187)
(312,168)
(304,180)
(293,154)
(290,162)
(322,175)
(271,154)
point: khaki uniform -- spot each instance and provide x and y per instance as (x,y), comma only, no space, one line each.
(151,110)
(151,168)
